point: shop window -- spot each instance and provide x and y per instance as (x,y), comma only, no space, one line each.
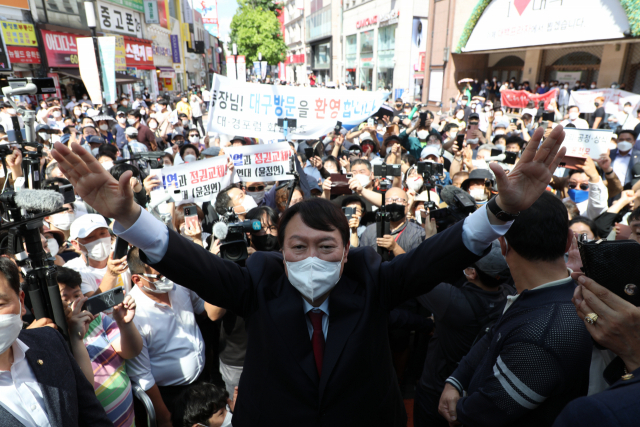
(386,56)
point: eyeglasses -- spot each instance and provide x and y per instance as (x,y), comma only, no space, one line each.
(396,200)
(583,186)
(254,188)
(152,276)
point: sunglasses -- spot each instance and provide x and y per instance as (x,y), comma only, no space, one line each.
(583,187)
(254,188)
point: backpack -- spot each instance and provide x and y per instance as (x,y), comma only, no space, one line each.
(486,319)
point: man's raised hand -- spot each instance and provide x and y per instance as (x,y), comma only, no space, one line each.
(532,174)
(95,184)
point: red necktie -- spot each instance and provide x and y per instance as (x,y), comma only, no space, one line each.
(317,339)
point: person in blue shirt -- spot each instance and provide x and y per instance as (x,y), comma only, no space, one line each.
(415,144)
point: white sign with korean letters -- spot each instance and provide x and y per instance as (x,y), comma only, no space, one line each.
(587,142)
(261,163)
(119,20)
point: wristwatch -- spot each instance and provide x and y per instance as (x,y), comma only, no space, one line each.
(499,213)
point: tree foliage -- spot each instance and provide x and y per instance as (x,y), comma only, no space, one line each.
(255,28)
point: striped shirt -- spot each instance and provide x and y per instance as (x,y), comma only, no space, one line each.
(111,382)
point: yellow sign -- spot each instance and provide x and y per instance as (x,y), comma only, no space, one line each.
(18,34)
(121,54)
(186,34)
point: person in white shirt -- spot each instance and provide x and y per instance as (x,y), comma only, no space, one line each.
(586,189)
(71,104)
(89,235)
(86,100)
(196,111)
(6,112)
(173,352)
(574,118)
(624,119)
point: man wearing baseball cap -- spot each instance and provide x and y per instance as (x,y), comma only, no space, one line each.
(89,235)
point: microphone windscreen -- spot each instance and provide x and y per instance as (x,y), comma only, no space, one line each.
(39,200)
(448,194)
(220,230)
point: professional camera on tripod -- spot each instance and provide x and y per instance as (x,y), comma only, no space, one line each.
(430,172)
(232,235)
(383,215)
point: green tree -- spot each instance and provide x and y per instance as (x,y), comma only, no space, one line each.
(257,29)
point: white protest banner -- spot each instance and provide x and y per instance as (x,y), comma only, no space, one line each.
(249,109)
(587,142)
(614,100)
(261,163)
(89,68)
(198,181)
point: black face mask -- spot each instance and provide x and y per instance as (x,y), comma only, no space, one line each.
(396,212)
(265,243)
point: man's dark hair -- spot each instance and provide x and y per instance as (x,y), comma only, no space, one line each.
(135,113)
(181,115)
(392,138)
(515,139)
(136,266)
(67,129)
(11,273)
(450,126)
(117,170)
(629,131)
(409,159)
(635,215)
(109,151)
(162,102)
(354,199)
(586,221)
(527,116)
(488,281)
(331,159)
(260,211)
(223,200)
(540,232)
(197,404)
(574,171)
(573,106)
(69,277)
(365,162)
(317,213)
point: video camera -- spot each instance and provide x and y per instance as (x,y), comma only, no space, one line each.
(383,226)
(430,172)
(232,235)
(460,205)
(145,161)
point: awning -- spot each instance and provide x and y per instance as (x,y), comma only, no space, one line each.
(121,78)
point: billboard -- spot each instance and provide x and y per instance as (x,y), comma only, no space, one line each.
(209,11)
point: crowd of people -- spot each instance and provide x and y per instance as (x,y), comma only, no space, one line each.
(477,280)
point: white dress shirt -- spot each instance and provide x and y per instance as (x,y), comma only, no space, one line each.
(324,308)
(620,166)
(20,391)
(578,123)
(172,345)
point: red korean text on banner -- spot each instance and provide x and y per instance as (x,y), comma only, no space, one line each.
(139,53)
(61,49)
(23,54)
(520,98)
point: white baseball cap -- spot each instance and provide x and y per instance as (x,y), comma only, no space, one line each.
(85,225)
(431,150)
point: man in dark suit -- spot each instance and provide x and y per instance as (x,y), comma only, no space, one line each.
(40,382)
(625,157)
(316,324)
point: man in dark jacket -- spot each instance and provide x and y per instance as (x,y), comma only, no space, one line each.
(536,358)
(40,382)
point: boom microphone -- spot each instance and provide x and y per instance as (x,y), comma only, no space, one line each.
(39,200)
(449,193)
(220,230)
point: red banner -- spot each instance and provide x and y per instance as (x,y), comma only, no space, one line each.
(139,53)
(23,54)
(61,49)
(520,98)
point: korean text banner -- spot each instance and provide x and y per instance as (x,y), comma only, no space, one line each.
(197,181)
(520,98)
(614,100)
(587,142)
(249,109)
(261,163)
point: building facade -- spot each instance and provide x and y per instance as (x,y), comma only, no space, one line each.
(323,41)
(294,33)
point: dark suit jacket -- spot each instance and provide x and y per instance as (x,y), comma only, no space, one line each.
(280,384)
(69,399)
(635,158)
(616,406)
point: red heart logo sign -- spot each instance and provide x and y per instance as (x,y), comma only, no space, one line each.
(521,5)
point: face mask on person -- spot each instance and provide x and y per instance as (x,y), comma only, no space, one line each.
(460,115)
(194,139)
(624,146)
(573,115)
(162,286)
(266,242)
(54,248)
(107,165)
(78,113)
(474,141)
(478,194)
(258,196)
(104,127)
(142,112)
(99,249)
(566,86)
(63,220)
(10,327)
(578,196)
(415,183)
(597,104)
(124,103)
(44,135)
(122,120)
(248,203)
(499,132)
(84,97)
(131,121)
(395,211)
(314,277)
(73,99)
(185,122)
(57,114)
(628,110)
(177,129)
(190,158)
(363,179)
(423,134)
(593,86)
(153,125)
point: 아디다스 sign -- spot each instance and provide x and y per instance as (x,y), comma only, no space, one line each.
(367,22)
(139,53)
(61,49)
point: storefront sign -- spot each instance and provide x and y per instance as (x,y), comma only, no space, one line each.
(139,53)
(570,77)
(517,23)
(56,82)
(23,55)
(389,18)
(254,109)
(18,34)
(151,12)
(61,49)
(187,11)
(295,59)
(261,163)
(587,142)
(175,48)
(132,4)
(614,100)
(197,181)
(121,55)
(161,50)
(367,22)
(120,20)
(520,98)
(166,72)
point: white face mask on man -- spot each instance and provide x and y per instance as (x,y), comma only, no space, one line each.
(99,249)
(248,203)
(63,220)
(10,327)
(314,277)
